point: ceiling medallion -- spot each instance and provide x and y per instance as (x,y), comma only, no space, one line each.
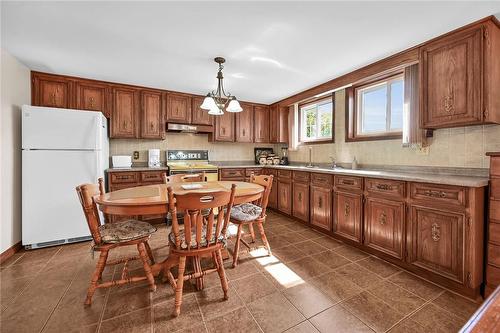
(218,101)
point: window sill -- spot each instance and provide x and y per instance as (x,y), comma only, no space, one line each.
(318,142)
(393,136)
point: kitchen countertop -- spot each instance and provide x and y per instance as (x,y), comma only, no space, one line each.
(137,168)
(425,177)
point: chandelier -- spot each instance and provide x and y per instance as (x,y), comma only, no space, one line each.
(218,100)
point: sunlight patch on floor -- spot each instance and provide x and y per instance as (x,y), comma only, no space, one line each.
(279,271)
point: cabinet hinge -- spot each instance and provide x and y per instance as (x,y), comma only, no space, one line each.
(469,279)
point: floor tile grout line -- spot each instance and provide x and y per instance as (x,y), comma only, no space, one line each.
(248,309)
(105,303)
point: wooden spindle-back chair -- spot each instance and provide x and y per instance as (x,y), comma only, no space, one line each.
(184,178)
(202,235)
(250,213)
(112,235)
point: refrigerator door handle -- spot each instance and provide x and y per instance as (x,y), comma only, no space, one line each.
(98,166)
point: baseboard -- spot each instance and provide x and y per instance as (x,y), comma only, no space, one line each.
(10,252)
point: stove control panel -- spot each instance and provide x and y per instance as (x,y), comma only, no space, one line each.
(187,155)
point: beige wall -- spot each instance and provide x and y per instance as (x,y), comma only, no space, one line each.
(454,147)
(219,151)
(15,91)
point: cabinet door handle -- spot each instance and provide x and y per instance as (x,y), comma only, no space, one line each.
(243,132)
(384,187)
(320,202)
(347,210)
(53,98)
(435,232)
(91,102)
(152,125)
(347,182)
(383,218)
(300,196)
(435,194)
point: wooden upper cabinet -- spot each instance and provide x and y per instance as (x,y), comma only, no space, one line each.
(124,114)
(51,91)
(152,121)
(437,242)
(261,124)
(384,221)
(244,124)
(278,124)
(321,207)
(178,108)
(224,127)
(348,215)
(200,116)
(92,97)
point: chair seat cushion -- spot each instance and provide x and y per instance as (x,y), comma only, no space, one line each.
(246,212)
(125,231)
(203,242)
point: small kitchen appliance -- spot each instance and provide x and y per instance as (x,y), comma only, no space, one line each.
(121,161)
(191,161)
(154,158)
(284,156)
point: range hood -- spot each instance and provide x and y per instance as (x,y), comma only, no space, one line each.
(184,128)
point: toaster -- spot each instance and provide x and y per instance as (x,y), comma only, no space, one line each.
(121,161)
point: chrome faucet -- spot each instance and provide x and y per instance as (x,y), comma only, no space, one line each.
(334,164)
(310,165)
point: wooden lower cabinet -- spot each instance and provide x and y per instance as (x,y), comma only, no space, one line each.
(437,242)
(285,197)
(321,207)
(300,202)
(273,195)
(383,226)
(348,215)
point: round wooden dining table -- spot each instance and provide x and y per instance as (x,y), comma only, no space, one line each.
(153,199)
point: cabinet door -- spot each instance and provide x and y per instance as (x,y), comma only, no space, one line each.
(300,206)
(285,197)
(283,124)
(273,124)
(261,126)
(51,91)
(224,127)
(244,124)
(200,116)
(152,125)
(273,195)
(92,97)
(178,109)
(384,221)
(451,80)
(437,242)
(124,115)
(321,207)
(348,215)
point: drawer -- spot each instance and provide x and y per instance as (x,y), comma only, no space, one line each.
(349,182)
(495,210)
(284,174)
(492,275)
(232,173)
(273,172)
(124,177)
(322,179)
(301,176)
(494,254)
(152,176)
(494,232)
(385,187)
(495,188)
(249,171)
(452,195)
(495,166)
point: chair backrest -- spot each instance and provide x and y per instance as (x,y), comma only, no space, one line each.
(203,227)
(86,192)
(184,178)
(267,182)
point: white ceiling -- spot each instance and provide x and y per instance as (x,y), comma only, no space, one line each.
(273,49)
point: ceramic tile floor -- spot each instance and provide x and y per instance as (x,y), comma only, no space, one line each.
(312,283)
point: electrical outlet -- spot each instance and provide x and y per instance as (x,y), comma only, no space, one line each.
(136,155)
(423,150)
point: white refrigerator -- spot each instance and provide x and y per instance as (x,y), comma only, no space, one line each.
(61,149)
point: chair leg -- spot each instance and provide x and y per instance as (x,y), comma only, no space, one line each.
(197,269)
(150,253)
(237,246)
(264,238)
(222,274)
(180,284)
(252,232)
(147,268)
(96,276)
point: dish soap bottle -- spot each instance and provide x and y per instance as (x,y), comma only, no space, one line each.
(354,164)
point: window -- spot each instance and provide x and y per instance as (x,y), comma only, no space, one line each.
(316,121)
(378,109)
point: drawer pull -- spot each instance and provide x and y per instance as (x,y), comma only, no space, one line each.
(320,202)
(347,210)
(383,218)
(300,196)
(385,187)
(122,177)
(435,194)
(435,232)
(347,182)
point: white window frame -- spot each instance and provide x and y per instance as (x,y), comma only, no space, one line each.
(302,112)
(359,106)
